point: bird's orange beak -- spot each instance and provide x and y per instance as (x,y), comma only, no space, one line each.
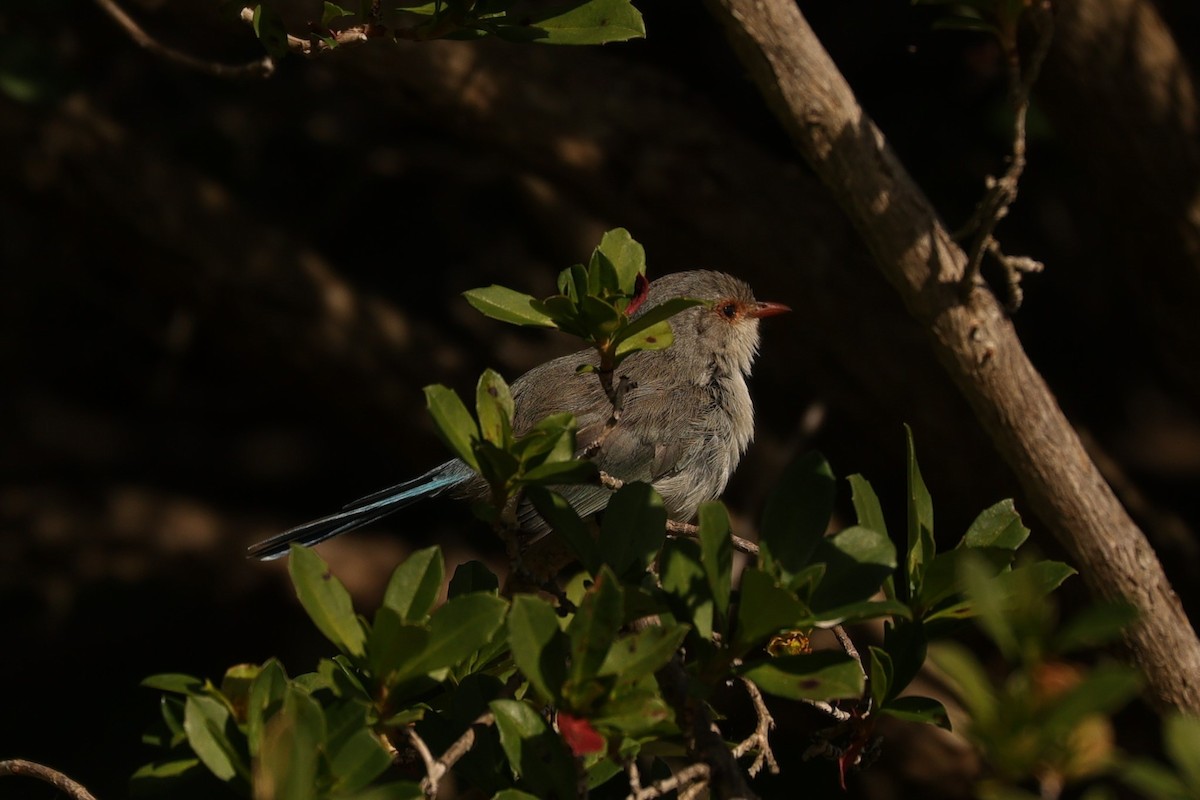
(760,310)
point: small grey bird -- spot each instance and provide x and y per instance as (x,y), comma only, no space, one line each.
(687,415)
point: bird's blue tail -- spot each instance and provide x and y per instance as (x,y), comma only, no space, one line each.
(364,511)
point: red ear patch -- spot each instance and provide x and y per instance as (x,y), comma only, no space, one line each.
(579,735)
(641,288)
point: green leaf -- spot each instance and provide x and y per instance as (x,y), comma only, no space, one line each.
(506,305)
(683,578)
(265,698)
(454,423)
(857,561)
(765,609)
(360,760)
(627,257)
(268,27)
(209,725)
(1095,626)
(594,22)
(969,680)
(881,675)
(997,526)
(415,585)
(655,337)
(458,629)
(633,529)
(163,771)
(906,644)
(942,576)
(494,407)
(716,549)
(173,682)
(918,709)
(535,753)
(332,12)
(595,627)
(824,675)
(1181,736)
(566,523)
(514,794)
(797,515)
(1153,780)
(550,440)
(560,473)
(326,601)
(539,647)
(654,316)
(921,545)
(398,790)
(290,752)
(860,612)
(634,656)
(473,576)
(393,646)
(866,504)
(1104,690)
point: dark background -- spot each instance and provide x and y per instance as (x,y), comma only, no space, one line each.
(219,301)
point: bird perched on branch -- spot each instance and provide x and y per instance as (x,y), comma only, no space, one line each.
(686,415)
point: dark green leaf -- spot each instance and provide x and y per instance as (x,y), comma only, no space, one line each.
(918,709)
(552,439)
(765,609)
(539,646)
(514,794)
(1095,626)
(824,675)
(942,576)
(866,504)
(473,576)
(796,516)
(1104,690)
(559,473)
(658,314)
(393,646)
(332,12)
(506,305)
(861,611)
(459,628)
(998,526)
(881,675)
(1152,780)
(415,585)
(326,601)
(209,726)
(566,523)
(291,747)
(173,682)
(642,653)
(399,790)
(268,27)
(360,760)
(921,545)
(683,578)
(633,529)
(164,771)
(717,550)
(494,407)
(602,276)
(601,318)
(595,626)
(235,683)
(535,752)
(594,22)
(906,644)
(857,560)
(454,423)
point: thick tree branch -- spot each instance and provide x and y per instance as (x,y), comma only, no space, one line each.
(971,335)
(53,777)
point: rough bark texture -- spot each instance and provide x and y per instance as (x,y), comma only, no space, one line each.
(972,336)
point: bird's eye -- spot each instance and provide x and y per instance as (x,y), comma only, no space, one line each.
(728,310)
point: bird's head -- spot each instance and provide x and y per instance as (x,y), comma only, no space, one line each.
(725,329)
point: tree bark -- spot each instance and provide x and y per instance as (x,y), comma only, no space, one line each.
(971,335)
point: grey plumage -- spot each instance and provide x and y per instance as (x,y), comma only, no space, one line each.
(687,416)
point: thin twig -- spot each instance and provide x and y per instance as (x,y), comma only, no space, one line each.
(759,739)
(254,69)
(308,47)
(30,769)
(1002,192)
(690,531)
(435,770)
(617,398)
(848,645)
(686,777)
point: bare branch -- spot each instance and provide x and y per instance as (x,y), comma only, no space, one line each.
(759,739)
(29,769)
(435,770)
(262,68)
(678,529)
(686,778)
(972,336)
(617,398)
